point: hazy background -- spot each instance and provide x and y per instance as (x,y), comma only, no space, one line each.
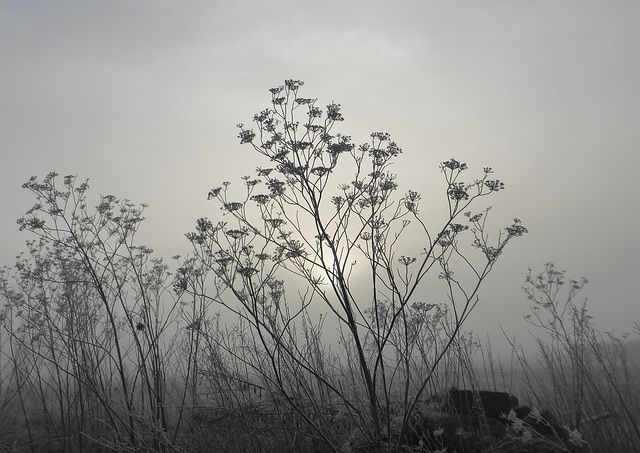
(143,96)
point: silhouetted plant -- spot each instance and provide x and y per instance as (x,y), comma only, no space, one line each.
(319,214)
(581,374)
(88,314)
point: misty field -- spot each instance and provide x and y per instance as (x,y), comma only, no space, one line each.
(320,311)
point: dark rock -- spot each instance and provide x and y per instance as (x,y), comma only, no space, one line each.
(522,412)
(495,404)
(461,402)
(491,404)
(464,420)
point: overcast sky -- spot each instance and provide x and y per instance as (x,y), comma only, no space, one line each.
(142,97)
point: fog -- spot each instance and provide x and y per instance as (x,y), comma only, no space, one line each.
(143,99)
